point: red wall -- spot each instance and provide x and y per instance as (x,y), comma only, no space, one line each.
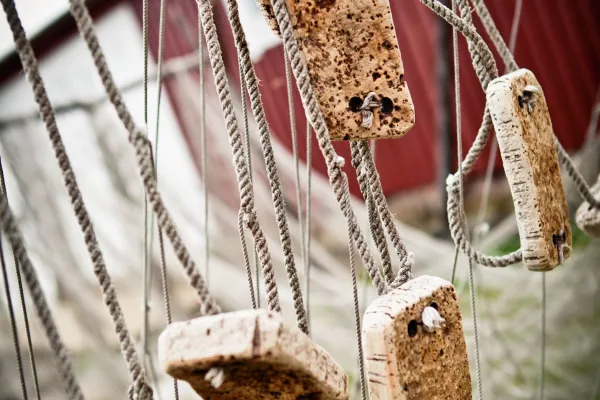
(558,40)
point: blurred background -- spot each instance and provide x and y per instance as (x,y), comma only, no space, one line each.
(558,40)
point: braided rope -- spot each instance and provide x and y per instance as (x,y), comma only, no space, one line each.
(141,144)
(334,163)
(141,389)
(269,157)
(374,221)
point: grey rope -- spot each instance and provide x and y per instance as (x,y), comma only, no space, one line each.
(34,374)
(241,166)
(13,324)
(406,258)
(543,337)
(333,162)
(141,389)
(271,166)
(248,153)
(307,260)
(361,366)
(143,155)
(375,225)
(203,150)
(472,295)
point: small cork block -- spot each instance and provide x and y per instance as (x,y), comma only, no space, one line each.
(351,50)
(587,218)
(253,355)
(526,140)
(406,360)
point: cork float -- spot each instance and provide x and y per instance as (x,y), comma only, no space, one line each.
(414,344)
(354,65)
(587,217)
(250,354)
(526,140)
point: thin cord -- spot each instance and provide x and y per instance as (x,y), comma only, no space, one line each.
(543,337)
(22,299)
(146,252)
(361,366)
(13,325)
(462,216)
(290,96)
(203,149)
(248,151)
(307,260)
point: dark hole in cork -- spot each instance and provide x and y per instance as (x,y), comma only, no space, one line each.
(355,104)
(434,305)
(387,105)
(412,328)
(521,100)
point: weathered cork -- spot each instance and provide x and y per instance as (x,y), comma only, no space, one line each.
(261,358)
(403,360)
(587,218)
(530,160)
(351,50)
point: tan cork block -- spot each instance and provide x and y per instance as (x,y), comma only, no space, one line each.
(351,50)
(587,218)
(526,140)
(259,356)
(404,360)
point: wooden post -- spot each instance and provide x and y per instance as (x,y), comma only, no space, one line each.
(351,50)
(526,140)
(407,358)
(250,355)
(587,218)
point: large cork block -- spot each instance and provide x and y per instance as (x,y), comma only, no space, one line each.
(351,50)
(526,140)
(588,218)
(404,360)
(260,358)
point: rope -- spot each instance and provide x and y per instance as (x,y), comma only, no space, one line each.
(23,310)
(61,357)
(375,225)
(357,314)
(141,389)
(142,146)
(269,157)
(307,262)
(543,341)
(334,163)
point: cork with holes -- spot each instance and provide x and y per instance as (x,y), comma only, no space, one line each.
(528,150)
(403,360)
(261,358)
(588,218)
(351,50)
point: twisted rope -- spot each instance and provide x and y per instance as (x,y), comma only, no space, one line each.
(241,166)
(375,225)
(142,146)
(334,165)
(141,389)
(256,104)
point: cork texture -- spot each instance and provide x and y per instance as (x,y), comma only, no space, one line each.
(351,50)
(587,218)
(261,358)
(404,361)
(526,142)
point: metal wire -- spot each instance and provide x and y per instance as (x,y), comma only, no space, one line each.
(307,262)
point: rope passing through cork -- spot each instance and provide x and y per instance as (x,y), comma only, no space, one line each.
(370,103)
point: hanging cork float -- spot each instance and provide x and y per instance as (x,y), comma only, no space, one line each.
(250,354)
(526,140)
(588,218)
(414,343)
(354,65)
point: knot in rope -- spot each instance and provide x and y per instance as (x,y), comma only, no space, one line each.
(215,376)
(369,103)
(432,319)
